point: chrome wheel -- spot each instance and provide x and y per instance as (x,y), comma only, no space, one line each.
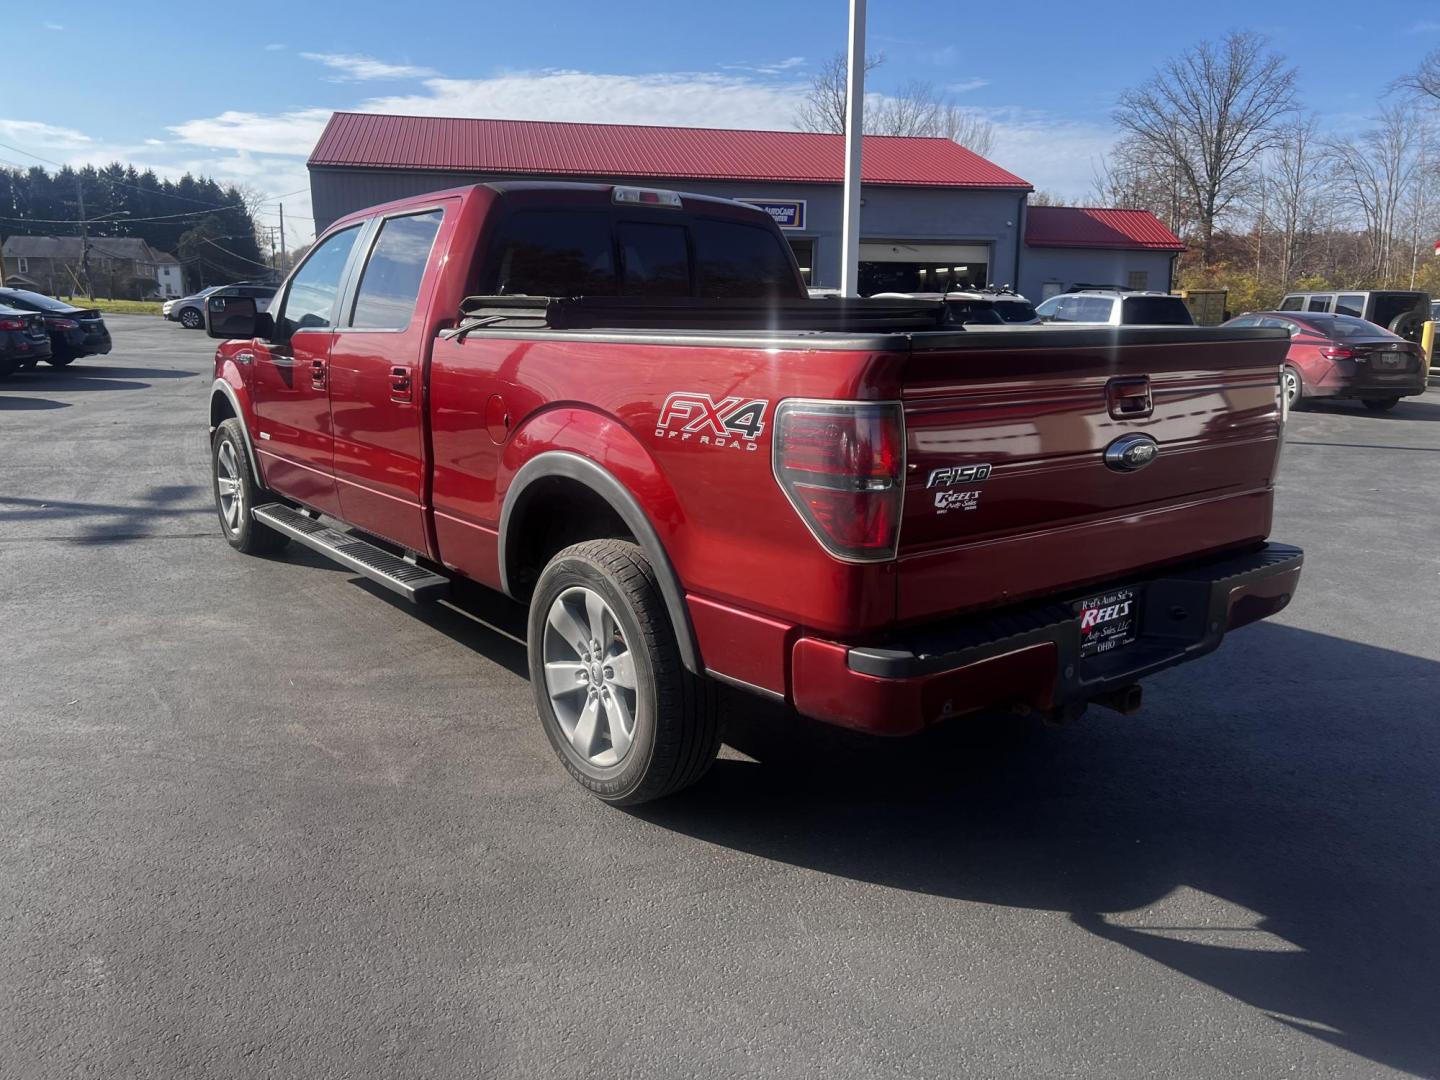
(590,676)
(229,486)
(1290,383)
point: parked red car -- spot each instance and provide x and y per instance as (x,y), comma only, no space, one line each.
(619,407)
(1343,357)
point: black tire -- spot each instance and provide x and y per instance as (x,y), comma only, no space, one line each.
(1380,404)
(1292,384)
(1408,325)
(242,532)
(191,319)
(61,358)
(676,714)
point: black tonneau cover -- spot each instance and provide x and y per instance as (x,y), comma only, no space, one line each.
(850,315)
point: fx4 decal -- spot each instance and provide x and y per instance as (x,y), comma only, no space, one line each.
(731,422)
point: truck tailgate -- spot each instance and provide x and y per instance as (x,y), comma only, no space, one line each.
(1009,494)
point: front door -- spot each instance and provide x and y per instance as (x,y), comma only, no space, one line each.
(290,383)
(377,380)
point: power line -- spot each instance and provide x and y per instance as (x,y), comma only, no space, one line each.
(236,255)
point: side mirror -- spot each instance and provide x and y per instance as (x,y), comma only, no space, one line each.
(232,317)
(1295,331)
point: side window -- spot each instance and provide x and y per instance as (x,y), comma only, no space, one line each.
(315,288)
(654,259)
(555,253)
(1244,320)
(1048,307)
(1272,323)
(1350,305)
(1318,303)
(390,282)
(1292,303)
(1094,309)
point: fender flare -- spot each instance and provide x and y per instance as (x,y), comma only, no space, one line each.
(220,386)
(573,466)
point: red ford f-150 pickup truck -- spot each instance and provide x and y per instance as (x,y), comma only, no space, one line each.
(617,405)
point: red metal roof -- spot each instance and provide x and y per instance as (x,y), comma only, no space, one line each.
(1088,227)
(532,147)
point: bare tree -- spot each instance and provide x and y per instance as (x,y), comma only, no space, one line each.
(1135,178)
(1296,189)
(1211,113)
(1424,80)
(824,107)
(969,129)
(1374,174)
(915,109)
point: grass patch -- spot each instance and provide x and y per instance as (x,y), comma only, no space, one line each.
(115,307)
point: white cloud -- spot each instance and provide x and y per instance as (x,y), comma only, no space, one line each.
(356,68)
(34,133)
(53,26)
(966,85)
(681,98)
(274,46)
(1054,153)
(277,133)
(154,142)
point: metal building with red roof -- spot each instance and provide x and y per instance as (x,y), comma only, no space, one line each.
(934,214)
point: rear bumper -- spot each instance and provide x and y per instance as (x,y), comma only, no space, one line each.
(1346,378)
(1030,656)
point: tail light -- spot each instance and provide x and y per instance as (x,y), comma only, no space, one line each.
(65,324)
(1337,352)
(12,324)
(842,466)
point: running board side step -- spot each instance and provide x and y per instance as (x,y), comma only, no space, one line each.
(413,582)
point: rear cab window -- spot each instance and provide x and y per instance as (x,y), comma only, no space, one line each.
(1318,303)
(1292,303)
(1350,304)
(540,251)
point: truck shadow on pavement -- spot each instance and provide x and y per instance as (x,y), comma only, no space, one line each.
(98,377)
(29,404)
(153,514)
(1285,789)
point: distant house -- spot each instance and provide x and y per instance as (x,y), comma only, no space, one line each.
(120,266)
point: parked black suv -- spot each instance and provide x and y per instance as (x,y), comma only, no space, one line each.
(24,341)
(74,332)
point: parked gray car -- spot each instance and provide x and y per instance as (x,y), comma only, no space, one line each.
(189,311)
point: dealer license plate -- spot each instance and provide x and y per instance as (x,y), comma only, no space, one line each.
(1107,621)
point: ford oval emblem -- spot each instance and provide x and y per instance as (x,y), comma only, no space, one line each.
(1130,453)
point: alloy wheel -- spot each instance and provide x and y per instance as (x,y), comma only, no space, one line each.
(229,486)
(1290,382)
(590,676)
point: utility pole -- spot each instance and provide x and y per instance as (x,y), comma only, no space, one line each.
(84,239)
(854,140)
(284,253)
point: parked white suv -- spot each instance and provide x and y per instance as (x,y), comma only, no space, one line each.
(1115,307)
(978,307)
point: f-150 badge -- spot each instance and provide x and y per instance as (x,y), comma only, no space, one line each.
(732,421)
(951,475)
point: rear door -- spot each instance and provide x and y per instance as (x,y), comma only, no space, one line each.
(1009,494)
(377,377)
(290,379)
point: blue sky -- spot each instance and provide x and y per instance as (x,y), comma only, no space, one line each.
(181,88)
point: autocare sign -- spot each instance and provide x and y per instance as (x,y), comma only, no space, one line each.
(788,213)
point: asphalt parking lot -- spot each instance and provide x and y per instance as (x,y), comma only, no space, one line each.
(260,820)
